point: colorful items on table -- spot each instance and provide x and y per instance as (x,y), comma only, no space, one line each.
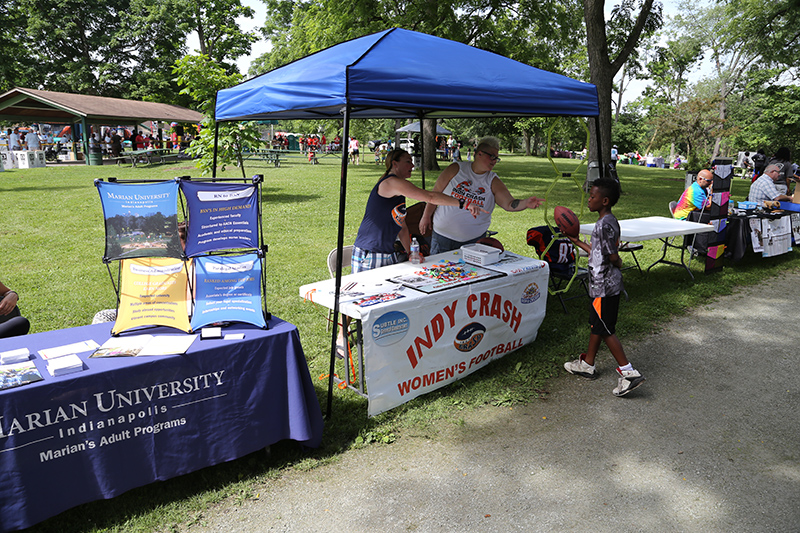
(448,271)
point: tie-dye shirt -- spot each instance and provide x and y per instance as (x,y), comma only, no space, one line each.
(693,198)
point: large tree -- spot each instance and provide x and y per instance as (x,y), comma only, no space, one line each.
(609,46)
(121,48)
(221,39)
(668,74)
(200,78)
(731,43)
(74,44)
(538,33)
(16,70)
(694,124)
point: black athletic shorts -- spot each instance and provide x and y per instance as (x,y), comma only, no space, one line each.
(603,315)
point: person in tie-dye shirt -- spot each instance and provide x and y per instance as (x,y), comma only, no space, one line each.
(696,196)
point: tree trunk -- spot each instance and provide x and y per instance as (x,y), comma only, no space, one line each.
(602,77)
(526,135)
(398,123)
(429,150)
(618,103)
(602,71)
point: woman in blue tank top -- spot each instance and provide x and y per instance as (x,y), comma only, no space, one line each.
(384,217)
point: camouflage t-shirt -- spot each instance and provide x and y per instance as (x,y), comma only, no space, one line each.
(605,278)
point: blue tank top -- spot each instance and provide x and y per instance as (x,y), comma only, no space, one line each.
(383,218)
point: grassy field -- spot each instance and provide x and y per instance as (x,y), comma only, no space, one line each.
(52,241)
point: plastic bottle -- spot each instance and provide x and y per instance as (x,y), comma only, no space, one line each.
(414,256)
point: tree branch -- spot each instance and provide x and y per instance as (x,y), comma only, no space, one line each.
(633,38)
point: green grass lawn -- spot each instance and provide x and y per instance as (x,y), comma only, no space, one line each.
(52,241)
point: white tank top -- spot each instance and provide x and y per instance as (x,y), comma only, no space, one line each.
(458,224)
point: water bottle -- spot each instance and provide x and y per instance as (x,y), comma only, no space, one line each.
(414,256)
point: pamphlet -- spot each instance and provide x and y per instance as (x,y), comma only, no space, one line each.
(61,351)
(122,346)
(18,374)
(168,345)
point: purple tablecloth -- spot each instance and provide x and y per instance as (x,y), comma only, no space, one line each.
(128,421)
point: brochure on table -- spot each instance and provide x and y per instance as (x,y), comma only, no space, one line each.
(18,374)
(143,345)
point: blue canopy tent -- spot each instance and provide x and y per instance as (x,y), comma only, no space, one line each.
(399,73)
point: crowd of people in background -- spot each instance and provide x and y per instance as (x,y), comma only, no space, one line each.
(110,141)
(24,139)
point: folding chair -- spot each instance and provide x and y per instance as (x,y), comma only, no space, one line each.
(351,331)
(632,248)
(560,256)
(347,261)
(413,218)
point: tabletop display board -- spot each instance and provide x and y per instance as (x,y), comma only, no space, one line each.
(152,293)
(416,342)
(228,289)
(224,219)
(222,216)
(141,219)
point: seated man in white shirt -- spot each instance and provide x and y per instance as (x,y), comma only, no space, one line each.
(764,189)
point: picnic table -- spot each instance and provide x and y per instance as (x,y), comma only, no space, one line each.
(276,157)
(268,156)
(146,156)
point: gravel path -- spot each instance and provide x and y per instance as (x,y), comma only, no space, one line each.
(709,443)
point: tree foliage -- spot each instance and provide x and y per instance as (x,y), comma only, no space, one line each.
(609,45)
(15,68)
(200,78)
(117,48)
(542,34)
(538,33)
(694,123)
(220,37)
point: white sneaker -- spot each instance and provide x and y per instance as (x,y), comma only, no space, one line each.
(579,367)
(629,380)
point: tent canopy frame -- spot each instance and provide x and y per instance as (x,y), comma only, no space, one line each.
(355,67)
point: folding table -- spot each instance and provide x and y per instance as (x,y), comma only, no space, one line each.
(663,228)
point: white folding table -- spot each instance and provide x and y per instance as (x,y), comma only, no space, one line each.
(663,228)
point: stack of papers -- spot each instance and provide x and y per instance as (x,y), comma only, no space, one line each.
(14,356)
(67,364)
